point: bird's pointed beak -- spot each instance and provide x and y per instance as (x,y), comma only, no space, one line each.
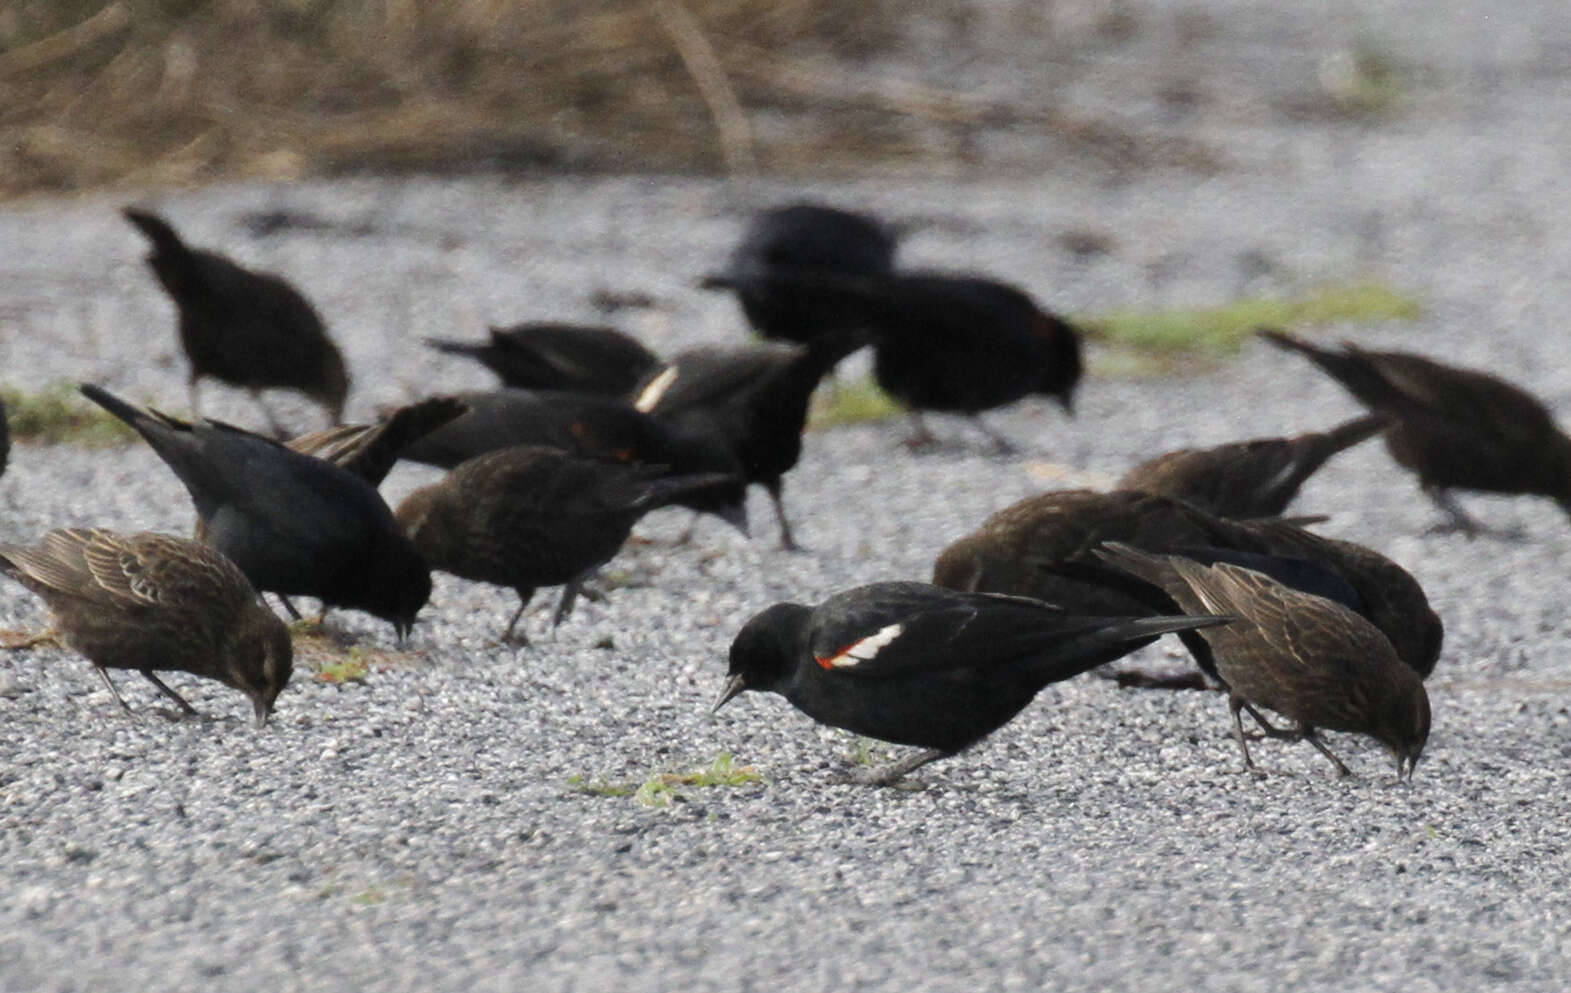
(732,687)
(401,629)
(260,707)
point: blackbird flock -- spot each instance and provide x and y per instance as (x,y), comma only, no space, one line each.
(589,429)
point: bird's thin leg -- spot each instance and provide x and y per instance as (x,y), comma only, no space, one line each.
(889,774)
(524,594)
(192,397)
(1457,519)
(921,435)
(1236,702)
(787,541)
(290,607)
(273,424)
(1001,445)
(1271,730)
(570,593)
(112,691)
(1314,739)
(171,694)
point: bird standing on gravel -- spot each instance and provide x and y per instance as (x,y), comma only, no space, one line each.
(529,516)
(1456,428)
(551,356)
(965,344)
(156,602)
(921,665)
(755,399)
(790,270)
(294,524)
(1257,478)
(1305,657)
(249,329)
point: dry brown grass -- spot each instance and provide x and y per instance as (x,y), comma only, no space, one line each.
(121,92)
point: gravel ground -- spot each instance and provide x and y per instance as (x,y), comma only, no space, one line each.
(429,827)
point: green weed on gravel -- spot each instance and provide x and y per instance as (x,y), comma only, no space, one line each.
(57,414)
(663,788)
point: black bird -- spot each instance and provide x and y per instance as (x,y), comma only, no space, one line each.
(552,356)
(528,517)
(1310,659)
(598,427)
(754,398)
(1257,478)
(156,602)
(789,269)
(371,450)
(1025,548)
(294,524)
(1456,428)
(249,329)
(921,665)
(966,344)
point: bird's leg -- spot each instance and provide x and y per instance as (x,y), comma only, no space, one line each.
(921,436)
(569,597)
(524,594)
(1001,445)
(171,694)
(192,398)
(1457,519)
(273,425)
(787,541)
(1308,734)
(1271,730)
(1236,702)
(294,614)
(889,774)
(112,691)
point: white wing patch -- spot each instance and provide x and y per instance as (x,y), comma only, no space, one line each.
(652,393)
(862,649)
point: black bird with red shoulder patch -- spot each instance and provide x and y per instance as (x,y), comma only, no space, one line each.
(546,355)
(249,329)
(921,665)
(1458,429)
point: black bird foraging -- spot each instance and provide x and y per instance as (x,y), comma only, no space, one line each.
(1456,428)
(249,329)
(921,665)
(754,399)
(156,602)
(1256,478)
(1307,658)
(552,356)
(294,524)
(791,268)
(528,517)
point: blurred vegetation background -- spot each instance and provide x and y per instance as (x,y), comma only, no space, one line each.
(154,92)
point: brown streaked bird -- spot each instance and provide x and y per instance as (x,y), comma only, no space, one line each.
(1256,478)
(156,602)
(1307,658)
(528,517)
(249,329)
(1458,429)
(1024,549)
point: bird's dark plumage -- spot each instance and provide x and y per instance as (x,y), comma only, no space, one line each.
(921,665)
(371,450)
(1311,660)
(788,268)
(597,427)
(754,398)
(1257,478)
(1456,428)
(528,517)
(154,602)
(965,344)
(550,356)
(1025,548)
(252,330)
(294,524)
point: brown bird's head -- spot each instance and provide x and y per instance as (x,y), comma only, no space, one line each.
(421,515)
(260,659)
(1401,724)
(963,564)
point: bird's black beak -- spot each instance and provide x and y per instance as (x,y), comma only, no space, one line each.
(259,705)
(401,628)
(732,687)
